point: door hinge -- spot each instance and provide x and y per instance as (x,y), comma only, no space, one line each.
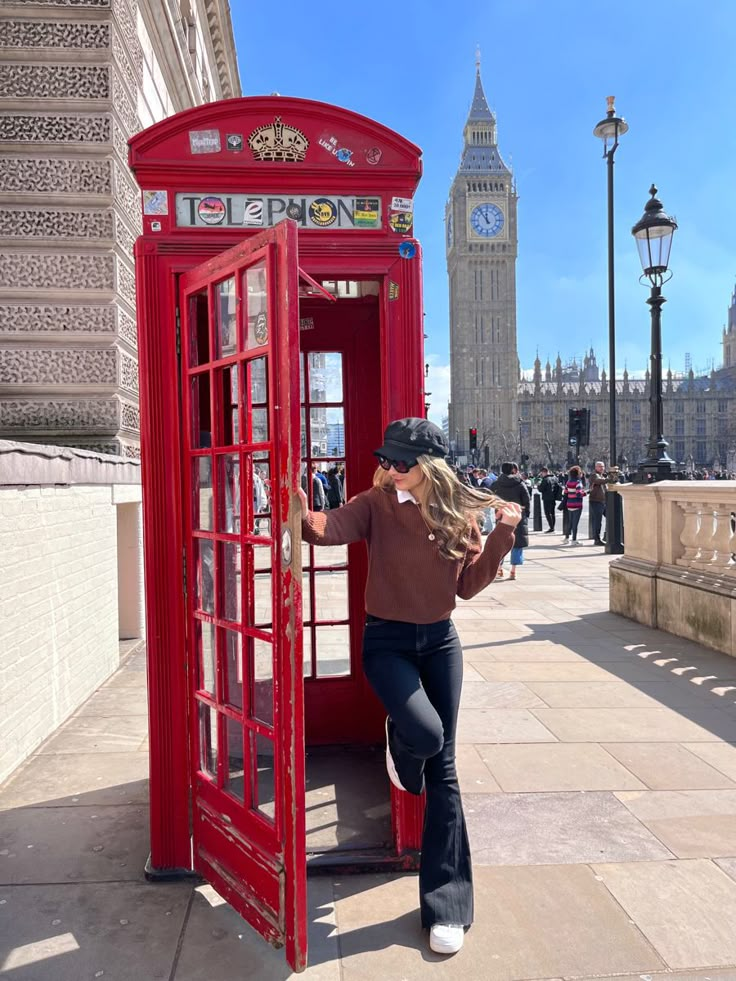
(178,331)
(184,570)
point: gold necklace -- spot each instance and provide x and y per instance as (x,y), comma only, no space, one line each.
(431,536)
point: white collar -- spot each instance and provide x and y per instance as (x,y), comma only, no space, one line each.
(405,496)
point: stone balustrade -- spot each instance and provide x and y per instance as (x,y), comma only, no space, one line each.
(678,572)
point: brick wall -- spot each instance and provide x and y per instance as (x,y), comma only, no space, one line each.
(58,608)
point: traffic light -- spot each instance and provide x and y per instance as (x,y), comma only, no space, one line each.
(578,427)
(473,439)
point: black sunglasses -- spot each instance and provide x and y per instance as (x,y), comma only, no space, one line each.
(400,466)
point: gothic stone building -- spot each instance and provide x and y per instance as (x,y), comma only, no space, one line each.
(77,79)
(514,415)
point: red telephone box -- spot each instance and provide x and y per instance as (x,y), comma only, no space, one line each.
(280,330)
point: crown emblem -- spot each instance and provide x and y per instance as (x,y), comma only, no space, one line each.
(276,141)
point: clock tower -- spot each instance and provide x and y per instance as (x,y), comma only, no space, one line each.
(481,246)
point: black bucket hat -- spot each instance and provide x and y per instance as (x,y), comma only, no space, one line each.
(406,439)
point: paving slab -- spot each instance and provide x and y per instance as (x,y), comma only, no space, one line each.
(691,823)
(673,904)
(500,694)
(530,923)
(501,726)
(562,828)
(560,671)
(473,774)
(116,931)
(618,694)
(721,755)
(114,701)
(728,865)
(672,768)
(556,767)
(639,725)
(97,735)
(63,844)
(220,946)
(85,778)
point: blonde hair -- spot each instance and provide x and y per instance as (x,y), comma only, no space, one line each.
(448,505)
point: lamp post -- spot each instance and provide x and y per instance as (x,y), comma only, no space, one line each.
(521,444)
(609,130)
(653,233)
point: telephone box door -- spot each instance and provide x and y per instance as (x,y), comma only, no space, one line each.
(240,402)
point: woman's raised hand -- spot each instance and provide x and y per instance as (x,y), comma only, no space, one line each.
(508,514)
(303,500)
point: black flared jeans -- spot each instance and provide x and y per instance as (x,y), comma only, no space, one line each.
(416,669)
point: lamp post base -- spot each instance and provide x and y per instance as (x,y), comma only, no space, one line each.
(614,523)
(652,471)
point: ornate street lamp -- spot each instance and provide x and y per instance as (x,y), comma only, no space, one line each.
(653,233)
(609,130)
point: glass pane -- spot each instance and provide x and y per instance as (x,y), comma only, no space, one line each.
(327,429)
(199,328)
(225,319)
(307,641)
(262,558)
(306,597)
(258,388)
(202,493)
(208,739)
(335,489)
(255,290)
(305,555)
(228,493)
(325,377)
(261,477)
(201,416)
(331,595)
(230,591)
(303,448)
(264,795)
(333,651)
(206,680)
(263,600)
(204,596)
(301,378)
(261,662)
(233,669)
(330,555)
(229,425)
(234,779)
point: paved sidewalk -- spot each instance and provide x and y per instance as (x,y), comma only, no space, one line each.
(598,767)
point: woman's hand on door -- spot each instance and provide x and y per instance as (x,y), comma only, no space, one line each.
(303,501)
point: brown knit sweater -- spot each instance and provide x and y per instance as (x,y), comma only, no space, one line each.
(408,579)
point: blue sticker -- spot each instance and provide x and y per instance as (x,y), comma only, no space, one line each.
(407,250)
(343,155)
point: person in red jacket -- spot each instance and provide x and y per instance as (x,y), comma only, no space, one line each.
(425,549)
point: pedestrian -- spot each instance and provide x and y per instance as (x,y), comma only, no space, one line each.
(572,499)
(598,484)
(318,490)
(334,489)
(511,487)
(551,491)
(425,549)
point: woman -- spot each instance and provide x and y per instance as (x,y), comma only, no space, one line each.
(572,499)
(424,550)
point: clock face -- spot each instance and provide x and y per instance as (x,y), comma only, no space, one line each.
(487,220)
(449,230)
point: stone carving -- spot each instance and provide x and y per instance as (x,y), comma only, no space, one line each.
(61,128)
(130,416)
(133,75)
(126,283)
(29,318)
(35,366)
(31,175)
(104,4)
(124,237)
(53,34)
(130,449)
(126,23)
(59,414)
(124,104)
(125,192)
(120,142)
(128,373)
(54,81)
(127,328)
(33,271)
(53,223)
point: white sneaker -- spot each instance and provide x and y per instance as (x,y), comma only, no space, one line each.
(565,540)
(576,542)
(446,938)
(391,766)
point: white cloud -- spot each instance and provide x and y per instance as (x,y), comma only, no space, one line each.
(438,383)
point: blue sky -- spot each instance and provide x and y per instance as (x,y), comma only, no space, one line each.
(547,68)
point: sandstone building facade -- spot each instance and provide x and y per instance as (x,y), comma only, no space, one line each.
(515,415)
(77,79)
